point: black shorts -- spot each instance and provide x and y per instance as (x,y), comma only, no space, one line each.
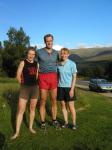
(63,94)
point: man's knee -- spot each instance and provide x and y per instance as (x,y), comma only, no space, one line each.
(53,102)
(43,102)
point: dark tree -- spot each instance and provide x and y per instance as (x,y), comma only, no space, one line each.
(14,49)
(1,60)
(108,71)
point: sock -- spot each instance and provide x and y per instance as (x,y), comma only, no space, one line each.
(43,122)
(54,120)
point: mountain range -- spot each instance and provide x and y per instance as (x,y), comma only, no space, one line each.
(91,54)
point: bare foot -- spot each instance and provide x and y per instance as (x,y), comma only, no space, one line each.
(14,136)
(32,130)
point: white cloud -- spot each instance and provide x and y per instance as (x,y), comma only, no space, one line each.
(56,46)
(84,45)
(78,46)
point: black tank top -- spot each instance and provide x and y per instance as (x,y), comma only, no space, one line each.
(29,73)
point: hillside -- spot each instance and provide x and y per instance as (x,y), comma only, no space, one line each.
(75,58)
(93,54)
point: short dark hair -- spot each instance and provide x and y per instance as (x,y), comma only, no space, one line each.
(31,48)
(48,35)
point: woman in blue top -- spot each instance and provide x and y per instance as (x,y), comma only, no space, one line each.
(67,78)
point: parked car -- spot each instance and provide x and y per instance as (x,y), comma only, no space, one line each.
(100,85)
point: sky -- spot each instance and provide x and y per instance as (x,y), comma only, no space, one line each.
(73,23)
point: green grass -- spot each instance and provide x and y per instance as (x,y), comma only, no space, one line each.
(94,120)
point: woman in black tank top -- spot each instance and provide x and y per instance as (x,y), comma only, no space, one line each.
(27,74)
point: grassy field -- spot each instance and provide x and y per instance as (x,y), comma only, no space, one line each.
(94,120)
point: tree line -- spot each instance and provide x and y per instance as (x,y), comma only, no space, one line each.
(99,69)
(13,50)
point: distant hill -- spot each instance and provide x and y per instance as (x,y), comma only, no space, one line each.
(75,58)
(93,54)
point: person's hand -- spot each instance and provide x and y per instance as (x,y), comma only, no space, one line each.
(71,93)
(19,80)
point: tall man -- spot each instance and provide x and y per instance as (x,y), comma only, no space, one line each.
(47,59)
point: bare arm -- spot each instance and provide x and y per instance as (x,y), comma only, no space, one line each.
(37,71)
(73,85)
(19,71)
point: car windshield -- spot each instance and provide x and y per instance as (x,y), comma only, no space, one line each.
(102,81)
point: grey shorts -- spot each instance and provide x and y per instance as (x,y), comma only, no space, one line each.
(28,92)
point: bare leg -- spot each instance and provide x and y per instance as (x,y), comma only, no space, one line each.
(73,112)
(32,114)
(53,96)
(64,111)
(21,110)
(43,94)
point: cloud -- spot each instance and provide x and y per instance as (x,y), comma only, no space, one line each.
(78,46)
(56,46)
(84,45)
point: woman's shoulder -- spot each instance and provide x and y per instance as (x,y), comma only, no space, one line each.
(22,61)
(71,62)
